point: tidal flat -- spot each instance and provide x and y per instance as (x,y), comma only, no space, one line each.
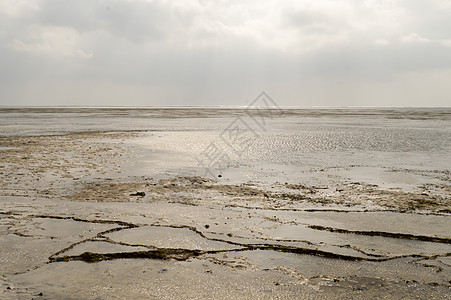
(211,203)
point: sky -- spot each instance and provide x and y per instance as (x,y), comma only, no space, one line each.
(225,52)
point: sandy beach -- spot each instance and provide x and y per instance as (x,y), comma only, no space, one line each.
(209,203)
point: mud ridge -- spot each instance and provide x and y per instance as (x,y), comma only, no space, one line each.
(286,241)
(314,252)
(440,213)
(159,254)
(184,254)
(405,236)
(117,222)
(96,237)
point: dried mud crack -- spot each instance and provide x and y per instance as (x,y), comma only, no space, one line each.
(160,254)
(385,234)
(184,254)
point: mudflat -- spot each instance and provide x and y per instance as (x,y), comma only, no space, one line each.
(210,203)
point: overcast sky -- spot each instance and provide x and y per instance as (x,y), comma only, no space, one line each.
(225,52)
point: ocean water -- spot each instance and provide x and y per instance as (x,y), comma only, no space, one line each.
(391,147)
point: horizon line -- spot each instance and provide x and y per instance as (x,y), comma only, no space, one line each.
(218,106)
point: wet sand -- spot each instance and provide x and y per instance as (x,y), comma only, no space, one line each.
(346,204)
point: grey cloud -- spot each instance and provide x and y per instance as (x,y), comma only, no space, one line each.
(18,67)
(184,67)
(370,61)
(136,21)
(314,21)
(430,21)
(139,47)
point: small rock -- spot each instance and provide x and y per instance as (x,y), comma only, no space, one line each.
(219,175)
(140,194)
(207,226)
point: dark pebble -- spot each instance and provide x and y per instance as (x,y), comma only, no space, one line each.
(141,194)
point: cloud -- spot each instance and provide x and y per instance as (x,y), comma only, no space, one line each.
(193,50)
(18,8)
(414,38)
(137,21)
(56,41)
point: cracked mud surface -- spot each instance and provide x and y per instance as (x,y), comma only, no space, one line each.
(97,215)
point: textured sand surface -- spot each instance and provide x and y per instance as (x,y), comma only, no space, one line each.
(322,204)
